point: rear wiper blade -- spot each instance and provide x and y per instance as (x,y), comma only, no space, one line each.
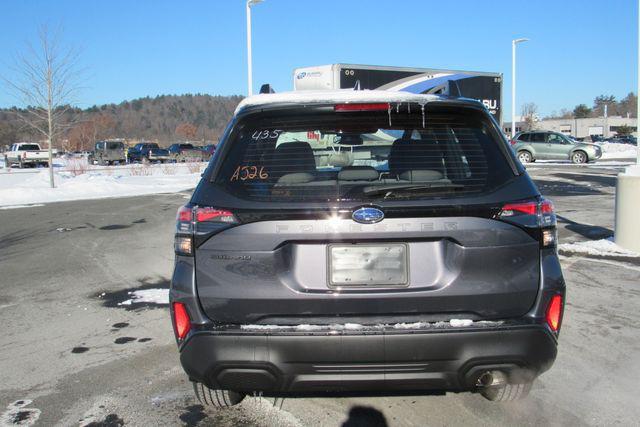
(389,190)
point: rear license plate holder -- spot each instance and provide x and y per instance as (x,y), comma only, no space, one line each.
(368,265)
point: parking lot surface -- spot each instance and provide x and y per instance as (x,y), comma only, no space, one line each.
(72,354)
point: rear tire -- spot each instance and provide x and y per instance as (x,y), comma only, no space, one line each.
(216,398)
(507,392)
(525,157)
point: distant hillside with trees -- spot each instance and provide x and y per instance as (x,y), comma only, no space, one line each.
(164,119)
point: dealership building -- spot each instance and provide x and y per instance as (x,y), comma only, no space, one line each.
(580,128)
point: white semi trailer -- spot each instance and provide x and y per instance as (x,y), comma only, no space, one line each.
(483,86)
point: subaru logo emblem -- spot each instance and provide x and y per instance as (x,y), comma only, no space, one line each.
(367,215)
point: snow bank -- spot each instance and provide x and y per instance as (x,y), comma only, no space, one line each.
(336,96)
(149,296)
(618,151)
(604,247)
(33,188)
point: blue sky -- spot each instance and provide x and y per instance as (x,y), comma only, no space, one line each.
(578,49)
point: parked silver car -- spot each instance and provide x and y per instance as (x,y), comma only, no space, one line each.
(544,145)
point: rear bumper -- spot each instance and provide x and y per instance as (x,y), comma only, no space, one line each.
(443,360)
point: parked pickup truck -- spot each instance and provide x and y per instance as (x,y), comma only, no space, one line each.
(147,151)
(25,154)
(185,153)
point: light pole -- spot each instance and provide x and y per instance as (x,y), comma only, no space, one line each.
(513,84)
(249,65)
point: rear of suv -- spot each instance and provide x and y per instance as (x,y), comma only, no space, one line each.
(365,242)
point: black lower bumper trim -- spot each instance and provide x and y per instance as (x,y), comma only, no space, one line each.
(450,361)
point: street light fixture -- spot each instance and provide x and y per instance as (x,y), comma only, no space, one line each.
(513,84)
(249,65)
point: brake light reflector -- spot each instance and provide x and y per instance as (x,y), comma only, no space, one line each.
(554,313)
(181,320)
(214,215)
(362,107)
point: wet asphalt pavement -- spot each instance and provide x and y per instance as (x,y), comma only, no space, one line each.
(71,355)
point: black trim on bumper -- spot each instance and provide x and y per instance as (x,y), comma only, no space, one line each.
(443,360)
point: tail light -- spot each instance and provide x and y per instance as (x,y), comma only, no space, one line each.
(194,223)
(513,141)
(181,320)
(214,215)
(536,216)
(554,313)
(24,155)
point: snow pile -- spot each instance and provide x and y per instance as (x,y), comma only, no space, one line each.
(21,206)
(32,188)
(618,151)
(149,296)
(454,323)
(604,247)
(17,413)
(336,96)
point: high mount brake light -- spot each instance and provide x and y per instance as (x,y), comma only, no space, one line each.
(554,313)
(362,107)
(181,320)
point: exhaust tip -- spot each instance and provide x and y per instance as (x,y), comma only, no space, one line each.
(491,379)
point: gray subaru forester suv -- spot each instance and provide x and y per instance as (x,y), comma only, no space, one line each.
(365,242)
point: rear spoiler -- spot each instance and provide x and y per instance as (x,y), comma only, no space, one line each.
(266,88)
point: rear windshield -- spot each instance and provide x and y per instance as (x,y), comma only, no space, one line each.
(186,146)
(363,156)
(114,145)
(28,147)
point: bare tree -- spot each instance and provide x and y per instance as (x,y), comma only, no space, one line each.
(46,82)
(530,115)
(187,131)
